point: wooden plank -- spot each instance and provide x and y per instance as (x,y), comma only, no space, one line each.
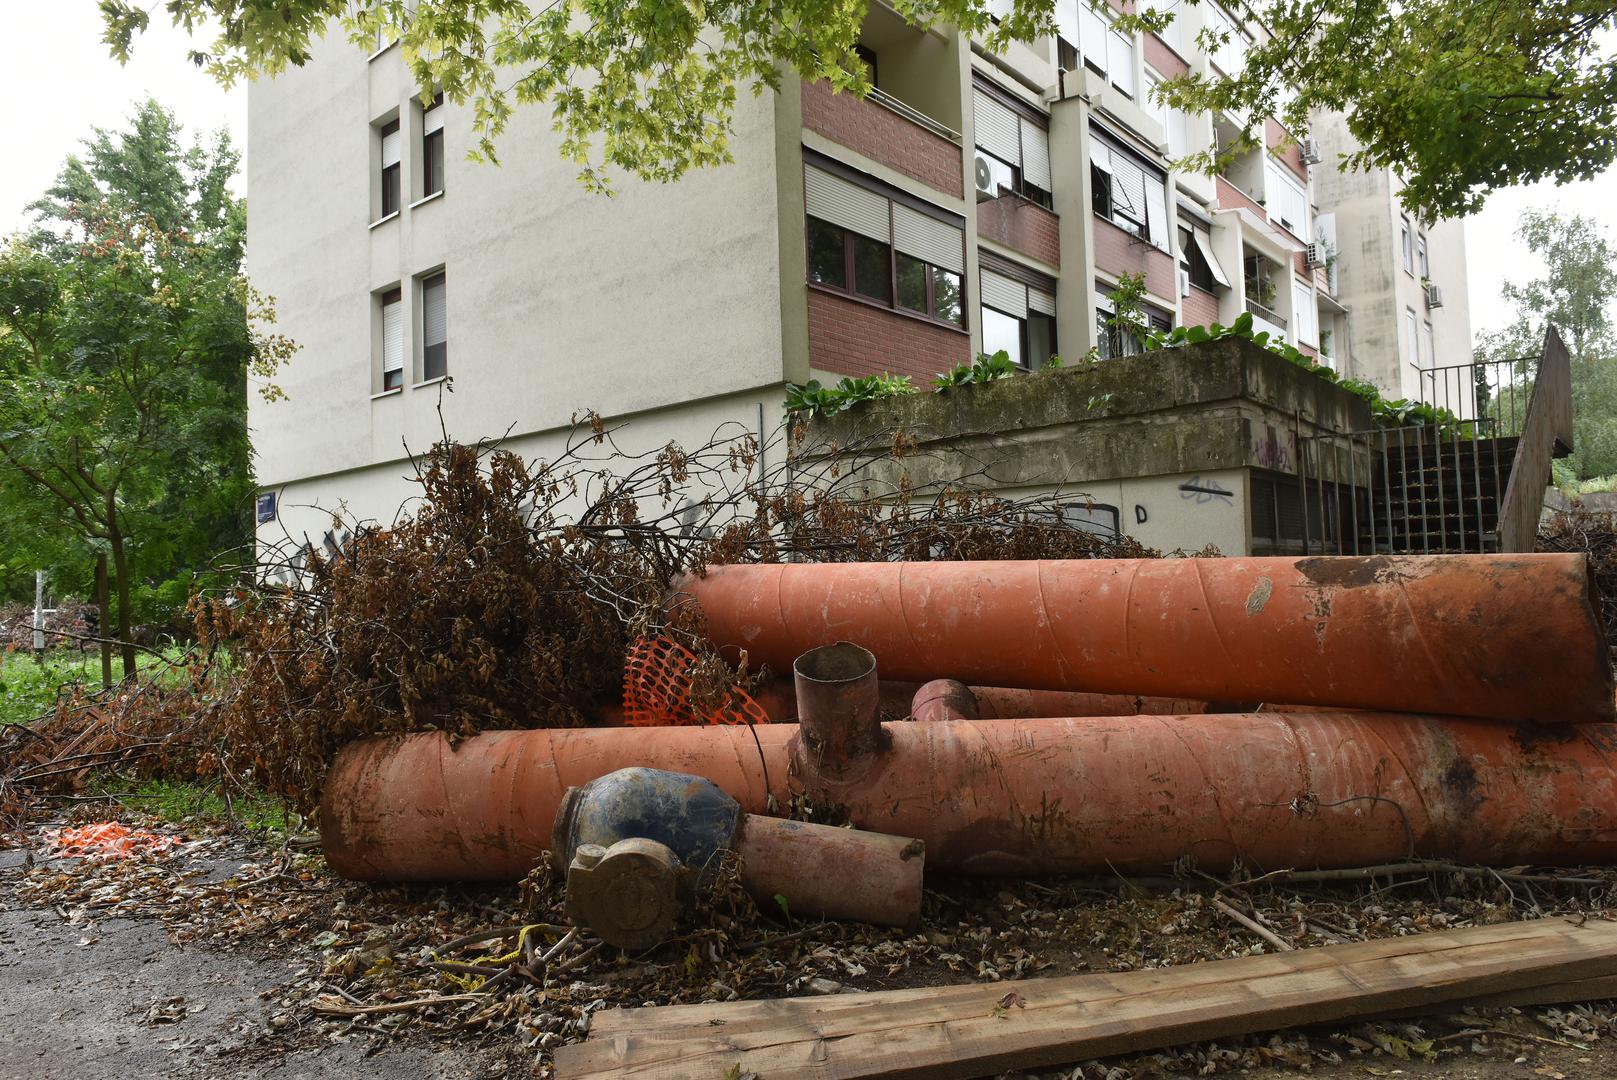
(962,1032)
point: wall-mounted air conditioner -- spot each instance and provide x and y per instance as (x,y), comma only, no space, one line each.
(1311,154)
(1314,256)
(985,180)
(1434,296)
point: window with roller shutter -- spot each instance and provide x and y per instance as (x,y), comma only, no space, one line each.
(865,242)
(1013,148)
(392,339)
(434,328)
(390,193)
(1018,313)
(1127,191)
(432,147)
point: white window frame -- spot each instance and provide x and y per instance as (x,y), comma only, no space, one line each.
(1412,328)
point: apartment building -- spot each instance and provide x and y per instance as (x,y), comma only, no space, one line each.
(1402,279)
(972,202)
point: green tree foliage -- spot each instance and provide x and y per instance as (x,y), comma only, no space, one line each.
(1461,96)
(127,333)
(1576,293)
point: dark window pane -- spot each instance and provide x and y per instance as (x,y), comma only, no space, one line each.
(1003,332)
(825,254)
(911,283)
(1041,338)
(872,269)
(433,155)
(390,190)
(946,295)
(1101,181)
(392,380)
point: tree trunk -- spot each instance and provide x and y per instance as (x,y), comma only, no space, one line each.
(104,620)
(120,578)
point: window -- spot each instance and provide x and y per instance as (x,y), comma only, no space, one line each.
(1287,199)
(1117,341)
(1013,150)
(390,168)
(1420,258)
(1085,36)
(1128,192)
(1229,51)
(432,148)
(1018,318)
(1304,315)
(1431,346)
(392,339)
(862,242)
(1404,243)
(1196,257)
(1175,123)
(867,57)
(434,329)
(1411,341)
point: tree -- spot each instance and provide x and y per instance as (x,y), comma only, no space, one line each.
(1575,293)
(126,336)
(1460,96)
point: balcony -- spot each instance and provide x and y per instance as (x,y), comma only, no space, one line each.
(1265,320)
(888,131)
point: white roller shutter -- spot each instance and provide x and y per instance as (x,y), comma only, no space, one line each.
(1035,154)
(1204,244)
(929,239)
(1003,294)
(432,120)
(996,128)
(833,199)
(393,336)
(1040,301)
(390,149)
(434,312)
(1128,186)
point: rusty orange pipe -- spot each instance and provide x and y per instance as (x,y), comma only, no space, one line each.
(1026,796)
(1511,637)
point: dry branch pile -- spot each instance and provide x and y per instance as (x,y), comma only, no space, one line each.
(1596,533)
(508,595)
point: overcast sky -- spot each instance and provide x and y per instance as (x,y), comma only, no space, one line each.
(64,84)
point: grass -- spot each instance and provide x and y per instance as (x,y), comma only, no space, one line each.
(30,687)
(188,803)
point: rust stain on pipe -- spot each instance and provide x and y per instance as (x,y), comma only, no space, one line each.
(1512,637)
(942,700)
(1027,796)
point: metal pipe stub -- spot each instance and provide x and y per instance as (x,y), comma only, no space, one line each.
(839,706)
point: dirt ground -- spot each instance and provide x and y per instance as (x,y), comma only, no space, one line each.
(113,997)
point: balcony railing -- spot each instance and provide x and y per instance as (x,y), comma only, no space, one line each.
(914,115)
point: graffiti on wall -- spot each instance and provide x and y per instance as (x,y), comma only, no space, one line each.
(1272,450)
(1206,492)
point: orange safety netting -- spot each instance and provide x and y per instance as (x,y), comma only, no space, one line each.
(108,838)
(657,683)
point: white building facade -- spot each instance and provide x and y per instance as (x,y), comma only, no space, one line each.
(973,202)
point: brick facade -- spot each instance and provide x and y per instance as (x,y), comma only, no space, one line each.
(1164,59)
(1231,197)
(1292,156)
(1022,226)
(1117,253)
(882,135)
(1200,308)
(851,338)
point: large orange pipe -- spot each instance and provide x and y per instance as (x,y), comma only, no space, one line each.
(1027,796)
(1511,637)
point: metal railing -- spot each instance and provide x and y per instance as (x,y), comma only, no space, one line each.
(1462,469)
(914,115)
(1266,313)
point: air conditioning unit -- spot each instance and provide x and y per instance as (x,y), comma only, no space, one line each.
(1434,296)
(1314,255)
(985,180)
(1311,155)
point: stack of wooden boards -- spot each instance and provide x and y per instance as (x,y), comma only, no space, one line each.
(985,1029)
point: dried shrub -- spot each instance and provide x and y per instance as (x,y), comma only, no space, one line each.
(509,593)
(1594,533)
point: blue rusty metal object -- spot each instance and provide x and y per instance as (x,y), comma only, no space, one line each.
(687,814)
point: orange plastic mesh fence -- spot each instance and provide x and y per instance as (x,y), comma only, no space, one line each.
(657,690)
